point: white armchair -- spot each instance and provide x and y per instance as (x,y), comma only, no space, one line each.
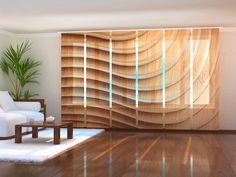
(8,122)
(25,105)
(29,109)
(12,113)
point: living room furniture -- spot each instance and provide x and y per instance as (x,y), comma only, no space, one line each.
(43,108)
(16,112)
(7,124)
(57,125)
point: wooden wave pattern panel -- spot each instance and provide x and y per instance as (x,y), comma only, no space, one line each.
(150,100)
(206,85)
(150,114)
(97,71)
(177,111)
(204,114)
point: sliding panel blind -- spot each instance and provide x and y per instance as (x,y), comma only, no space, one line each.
(147,79)
(205,79)
(97,76)
(177,108)
(150,112)
(124,79)
(72,79)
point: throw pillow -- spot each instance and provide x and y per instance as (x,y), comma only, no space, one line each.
(6,101)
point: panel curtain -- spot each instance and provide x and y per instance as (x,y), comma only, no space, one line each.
(147,79)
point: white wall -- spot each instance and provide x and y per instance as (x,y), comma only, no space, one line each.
(4,43)
(228,79)
(46,48)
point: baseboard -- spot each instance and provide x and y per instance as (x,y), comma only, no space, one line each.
(172,131)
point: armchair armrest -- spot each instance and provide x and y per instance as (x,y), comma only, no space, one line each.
(31,106)
(40,101)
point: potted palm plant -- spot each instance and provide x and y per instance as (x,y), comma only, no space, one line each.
(20,69)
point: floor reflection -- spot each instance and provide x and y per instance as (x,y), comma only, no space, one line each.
(145,155)
(139,155)
(191,165)
(85,162)
(149,156)
(110,156)
(136,156)
(163,165)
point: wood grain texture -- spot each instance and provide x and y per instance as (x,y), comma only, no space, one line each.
(130,154)
(150,113)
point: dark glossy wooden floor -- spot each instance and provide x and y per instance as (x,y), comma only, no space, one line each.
(120,154)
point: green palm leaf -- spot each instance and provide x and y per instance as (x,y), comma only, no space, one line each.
(20,70)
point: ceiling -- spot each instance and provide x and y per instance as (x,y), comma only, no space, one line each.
(43,16)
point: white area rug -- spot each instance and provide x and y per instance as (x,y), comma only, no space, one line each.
(42,148)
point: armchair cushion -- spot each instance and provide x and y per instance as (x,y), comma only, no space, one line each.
(8,122)
(31,106)
(30,115)
(6,101)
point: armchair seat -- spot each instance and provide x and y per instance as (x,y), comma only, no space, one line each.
(8,122)
(14,112)
(30,115)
